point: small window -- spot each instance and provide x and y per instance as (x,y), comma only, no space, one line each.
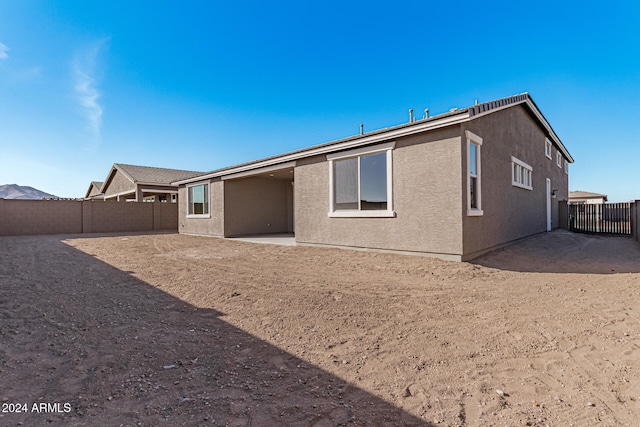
(566,167)
(547,148)
(559,159)
(198,200)
(361,182)
(521,174)
(474,175)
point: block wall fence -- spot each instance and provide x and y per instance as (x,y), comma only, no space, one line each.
(21,217)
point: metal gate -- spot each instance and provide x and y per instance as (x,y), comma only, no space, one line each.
(609,218)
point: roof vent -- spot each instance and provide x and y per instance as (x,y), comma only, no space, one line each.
(411,115)
(361,129)
(426,113)
(453,110)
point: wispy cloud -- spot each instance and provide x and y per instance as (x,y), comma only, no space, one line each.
(3,51)
(85,85)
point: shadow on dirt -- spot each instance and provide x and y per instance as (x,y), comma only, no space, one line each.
(565,252)
(118,351)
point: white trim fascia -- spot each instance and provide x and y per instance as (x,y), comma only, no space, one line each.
(159,184)
(266,169)
(394,134)
(122,193)
(540,117)
(151,190)
(363,151)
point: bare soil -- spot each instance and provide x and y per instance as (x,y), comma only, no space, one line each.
(167,329)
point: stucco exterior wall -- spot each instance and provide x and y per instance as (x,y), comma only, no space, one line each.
(257,205)
(426,197)
(118,184)
(510,212)
(213,225)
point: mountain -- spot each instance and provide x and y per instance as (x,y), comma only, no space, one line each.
(14,191)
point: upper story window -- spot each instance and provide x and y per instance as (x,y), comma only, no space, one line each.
(198,200)
(474,174)
(361,182)
(547,148)
(559,159)
(521,174)
(566,167)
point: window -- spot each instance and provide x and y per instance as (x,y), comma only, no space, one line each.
(360,182)
(474,175)
(566,167)
(198,196)
(547,148)
(521,174)
(559,159)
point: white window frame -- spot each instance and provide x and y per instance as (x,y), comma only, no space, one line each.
(381,148)
(547,148)
(521,174)
(566,167)
(472,138)
(559,159)
(208,200)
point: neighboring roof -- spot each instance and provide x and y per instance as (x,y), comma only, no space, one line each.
(452,117)
(94,184)
(586,195)
(150,175)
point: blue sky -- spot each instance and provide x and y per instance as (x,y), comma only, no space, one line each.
(202,85)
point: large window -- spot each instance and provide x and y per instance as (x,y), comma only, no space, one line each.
(361,182)
(474,175)
(198,199)
(521,174)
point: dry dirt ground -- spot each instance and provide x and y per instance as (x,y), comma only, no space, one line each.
(173,330)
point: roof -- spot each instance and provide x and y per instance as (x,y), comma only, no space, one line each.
(586,195)
(452,117)
(97,185)
(150,175)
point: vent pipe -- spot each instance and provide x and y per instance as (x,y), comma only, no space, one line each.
(361,129)
(426,113)
(411,115)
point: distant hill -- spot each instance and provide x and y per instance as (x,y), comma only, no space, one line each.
(14,191)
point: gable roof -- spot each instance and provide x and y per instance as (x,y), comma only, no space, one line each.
(94,184)
(455,116)
(149,175)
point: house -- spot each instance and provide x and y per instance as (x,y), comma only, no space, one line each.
(142,183)
(454,186)
(585,197)
(95,191)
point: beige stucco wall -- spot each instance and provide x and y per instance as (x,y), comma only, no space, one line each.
(118,184)
(257,205)
(213,225)
(426,196)
(510,212)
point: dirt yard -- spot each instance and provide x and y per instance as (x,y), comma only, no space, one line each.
(173,330)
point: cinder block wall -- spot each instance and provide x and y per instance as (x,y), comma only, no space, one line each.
(21,217)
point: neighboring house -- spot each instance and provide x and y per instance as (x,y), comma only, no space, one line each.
(454,186)
(584,197)
(94,191)
(143,183)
